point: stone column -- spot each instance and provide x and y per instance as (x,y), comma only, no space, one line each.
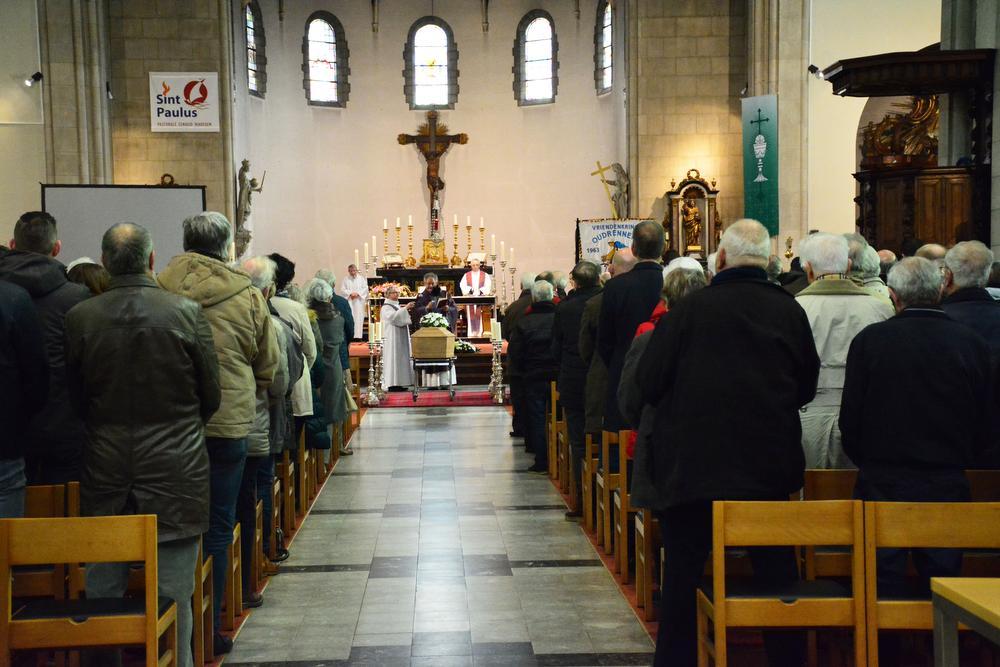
(958,31)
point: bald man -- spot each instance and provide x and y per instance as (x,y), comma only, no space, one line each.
(932,251)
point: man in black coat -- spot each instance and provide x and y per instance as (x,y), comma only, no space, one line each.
(24,384)
(142,369)
(628,301)
(530,353)
(54,438)
(572,382)
(511,317)
(967,268)
(726,371)
(914,446)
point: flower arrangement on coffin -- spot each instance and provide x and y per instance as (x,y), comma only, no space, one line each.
(380,289)
(434,320)
(465,346)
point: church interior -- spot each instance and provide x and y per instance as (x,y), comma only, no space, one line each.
(496,360)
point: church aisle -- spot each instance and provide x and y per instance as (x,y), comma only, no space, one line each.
(429,547)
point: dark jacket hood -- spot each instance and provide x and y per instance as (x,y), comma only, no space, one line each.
(38,274)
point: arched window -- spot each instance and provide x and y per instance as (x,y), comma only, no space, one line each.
(430,78)
(256,60)
(324,61)
(603,71)
(535,63)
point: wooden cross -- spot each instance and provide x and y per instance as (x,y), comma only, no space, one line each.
(433,141)
(607,190)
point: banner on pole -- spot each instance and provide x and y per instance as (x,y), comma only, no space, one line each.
(598,240)
(760,160)
(184,101)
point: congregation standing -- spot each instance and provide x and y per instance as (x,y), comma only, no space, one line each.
(167,393)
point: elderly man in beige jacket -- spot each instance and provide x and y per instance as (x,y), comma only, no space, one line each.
(837,310)
(248,352)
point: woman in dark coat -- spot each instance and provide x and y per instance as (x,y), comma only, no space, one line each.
(332,401)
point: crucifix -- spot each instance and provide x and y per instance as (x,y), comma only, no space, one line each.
(607,189)
(433,141)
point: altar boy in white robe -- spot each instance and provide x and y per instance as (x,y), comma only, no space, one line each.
(354,288)
(475,283)
(395,318)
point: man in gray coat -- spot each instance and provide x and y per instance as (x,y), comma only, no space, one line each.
(142,371)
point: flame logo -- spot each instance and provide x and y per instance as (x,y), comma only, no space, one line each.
(166,88)
(195,93)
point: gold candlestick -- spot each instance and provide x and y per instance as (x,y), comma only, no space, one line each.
(468,230)
(482,239)
(385,241)
(410,261)
(398,236)
(455,259)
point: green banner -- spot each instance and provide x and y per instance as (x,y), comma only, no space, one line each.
(760,160)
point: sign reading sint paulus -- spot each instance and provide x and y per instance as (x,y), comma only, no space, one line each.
(184,101)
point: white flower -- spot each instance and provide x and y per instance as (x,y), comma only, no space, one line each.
(434,320)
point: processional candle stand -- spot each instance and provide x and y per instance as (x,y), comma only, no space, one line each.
(503,283)
(496,388)
(379,347)
(513,272)
(372,397)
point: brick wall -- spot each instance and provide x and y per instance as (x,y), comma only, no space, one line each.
(691,69)
(165,36)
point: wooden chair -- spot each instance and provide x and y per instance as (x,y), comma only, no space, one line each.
(802,605)
(554,422)
(233,595)
(828,485)
(918,525)
(273,542)
(303,463)
(285,472)
(42,502)
(203,624)
(605,483)
(587,483)
(623,510)
(562,456)
(647,545)
(258,546)
(984,485)
(53,624)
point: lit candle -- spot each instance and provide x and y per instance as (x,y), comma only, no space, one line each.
(482,223)
(493,244)
(511,256)
(385,223)
(409,221)
(357,260)
(397,222)
(366,252)
(503,253)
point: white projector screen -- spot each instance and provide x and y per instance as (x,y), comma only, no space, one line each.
(84,212)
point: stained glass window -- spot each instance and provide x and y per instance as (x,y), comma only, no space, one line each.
(603,43)
(256,75)
(431,76)
(535,65)
(325,61)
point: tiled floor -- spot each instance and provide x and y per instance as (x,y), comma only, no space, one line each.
(430,547)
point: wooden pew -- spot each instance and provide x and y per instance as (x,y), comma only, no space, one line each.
(233,596)
(605,482)
(623,510)
(647,546)
(587,496)
(203,623)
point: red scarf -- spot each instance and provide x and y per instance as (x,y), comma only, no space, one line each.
(659,311)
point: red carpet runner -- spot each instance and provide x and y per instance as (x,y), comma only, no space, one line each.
(436,399)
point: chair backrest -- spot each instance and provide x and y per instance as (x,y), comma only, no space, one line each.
(829,484)
(787,523)
(45,502)
(110,539)
(962,525)
(623,459)
(984,485)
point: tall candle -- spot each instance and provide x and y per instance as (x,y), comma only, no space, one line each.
(511,256)
(397,222)
(357,259)
(503,253)
(385,223)
(468,221)
(374,247)
(409,220)
(498,334)
(482,223)
(493,244)
(455,220)
(371,331)
(366,252)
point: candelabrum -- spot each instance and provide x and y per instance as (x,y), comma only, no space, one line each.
(374,267)
(455,259)
(503,283)
(372,399)
(399,246)
(482,240)
(410,262)
(385,241)
(513,285)
(379,347)
(366,267)
(468,238)
(496,387)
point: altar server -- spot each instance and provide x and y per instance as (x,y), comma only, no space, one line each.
(355,290)
(475,283)
(395,319)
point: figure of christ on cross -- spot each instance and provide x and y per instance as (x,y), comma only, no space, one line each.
(433,141)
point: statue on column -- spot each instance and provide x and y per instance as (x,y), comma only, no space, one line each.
(244,203)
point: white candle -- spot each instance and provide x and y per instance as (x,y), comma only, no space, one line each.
(493,244)
(511,256)
(371,331)
(482,223)
(499,335)
(385,223)
(455,220)
(468,221)
(366,252)
(503,252)
(409,221)
(374,247)
(397,222)
(356,258)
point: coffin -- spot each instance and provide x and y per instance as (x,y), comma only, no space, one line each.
(432,343)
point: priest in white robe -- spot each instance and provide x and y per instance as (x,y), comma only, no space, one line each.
(396,368)
(475,283)
(355,290)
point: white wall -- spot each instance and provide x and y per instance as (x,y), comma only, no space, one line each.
(334,174)
(850,29)
(22,160)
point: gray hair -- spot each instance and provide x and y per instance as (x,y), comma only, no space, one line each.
(328,276)
(824,253)
(208,232)
(870,265)
(295,293)
(681,282)
(318,289)
(586,274)
(746,243)
(261,271)
(431,274)
(542,290)
(125,249)
(773,268)
(527,280)
(856,244)
(916,282)
(710,263)
(970,263)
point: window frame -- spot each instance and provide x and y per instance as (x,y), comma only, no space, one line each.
(259,47)
(520,40)
(343,68)
(602,6)
(409,66)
